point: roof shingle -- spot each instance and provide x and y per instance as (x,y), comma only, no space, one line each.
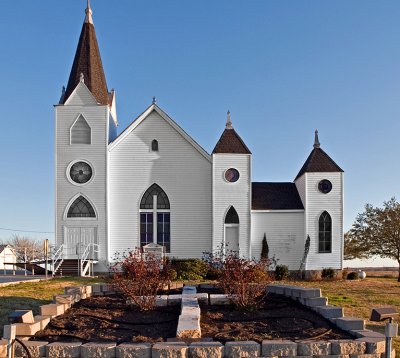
(275,196)
(318,161)
(88,62)
(230,142)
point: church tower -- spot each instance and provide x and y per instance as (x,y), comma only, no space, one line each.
(85,123)
(231,185)
(320,186)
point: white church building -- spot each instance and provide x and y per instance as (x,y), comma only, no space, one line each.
(153,183)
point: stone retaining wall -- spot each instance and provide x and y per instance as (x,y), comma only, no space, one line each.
(367,344)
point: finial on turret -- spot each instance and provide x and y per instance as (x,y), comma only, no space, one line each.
(316,141)
(228,120)
(88,11)
(154,100)
(82,77)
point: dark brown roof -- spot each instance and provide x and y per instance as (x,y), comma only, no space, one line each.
(230,142)
(275,196)
(318,161)
(88,61)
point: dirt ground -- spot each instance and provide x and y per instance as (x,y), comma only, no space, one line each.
(279,318)
(108,318)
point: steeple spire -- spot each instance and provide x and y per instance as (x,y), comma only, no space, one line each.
(88,11)
(316,141)
(228,120)
(87,63)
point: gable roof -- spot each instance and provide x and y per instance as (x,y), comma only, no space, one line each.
(88,62)
(168,119)
(275,196)
(230,142)
(3,247)
(318,161)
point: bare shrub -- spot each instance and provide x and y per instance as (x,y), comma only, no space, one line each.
(140,277)
(243,280)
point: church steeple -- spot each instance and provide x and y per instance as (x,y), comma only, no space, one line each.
(318,161)
(230,142)
(87,63)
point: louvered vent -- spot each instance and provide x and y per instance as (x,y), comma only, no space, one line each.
(81,132)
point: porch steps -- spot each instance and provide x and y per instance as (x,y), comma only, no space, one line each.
(69,267)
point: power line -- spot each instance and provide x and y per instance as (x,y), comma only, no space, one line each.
(31,231)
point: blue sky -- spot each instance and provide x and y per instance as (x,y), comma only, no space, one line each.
(283,69)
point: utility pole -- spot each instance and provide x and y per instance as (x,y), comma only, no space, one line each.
(46,254)
(25,260)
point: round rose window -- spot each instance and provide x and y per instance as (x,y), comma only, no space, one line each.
(232,175)
(80,172)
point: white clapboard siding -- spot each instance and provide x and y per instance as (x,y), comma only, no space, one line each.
(178,168)
(284,231)
(236,194)
(7,256)
(95,154)
(301,188)
(81,96)
(317,203)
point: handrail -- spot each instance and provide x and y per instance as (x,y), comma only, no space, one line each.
(58,258)
(91,250)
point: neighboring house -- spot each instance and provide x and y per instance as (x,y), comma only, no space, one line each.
(7,257)
(153,183)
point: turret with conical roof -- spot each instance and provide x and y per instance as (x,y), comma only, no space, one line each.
(230,142)
(318,161)
(231,172)
(87,63)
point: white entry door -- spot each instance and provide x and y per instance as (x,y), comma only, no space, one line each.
(76,240)
(231,238)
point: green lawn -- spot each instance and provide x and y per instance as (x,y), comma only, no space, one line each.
(360,296)
(31,295)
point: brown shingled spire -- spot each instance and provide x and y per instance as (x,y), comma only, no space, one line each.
(87,61)
(318,161)
(230,142)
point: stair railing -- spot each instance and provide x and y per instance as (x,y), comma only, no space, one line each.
(88,256)
(58,258)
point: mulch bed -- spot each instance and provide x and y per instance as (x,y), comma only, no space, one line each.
(109,318)
(278,318)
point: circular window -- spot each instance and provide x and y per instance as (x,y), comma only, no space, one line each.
(232,175)
(325,186)
(80,172)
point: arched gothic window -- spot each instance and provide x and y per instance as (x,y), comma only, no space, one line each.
(81,208)
(148,198)
(325,233)
(81,132)
(155,218)
(154,145)
(232,216)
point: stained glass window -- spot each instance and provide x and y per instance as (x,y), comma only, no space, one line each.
(163,230)
(146,228)
(325,233)
(232,216)
(147,199)
(81,208)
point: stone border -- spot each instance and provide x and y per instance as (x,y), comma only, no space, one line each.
(367,344)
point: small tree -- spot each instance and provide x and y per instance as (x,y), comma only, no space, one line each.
(26,248)
(140,277)
(265,248)
(243,280)
(376,231)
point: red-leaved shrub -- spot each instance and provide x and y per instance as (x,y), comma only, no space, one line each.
(140,276)
(243,280)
